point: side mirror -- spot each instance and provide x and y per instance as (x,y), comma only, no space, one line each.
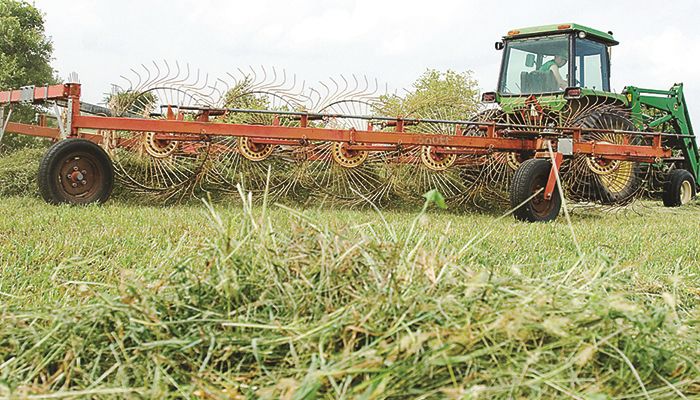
(499,46)
(530,60)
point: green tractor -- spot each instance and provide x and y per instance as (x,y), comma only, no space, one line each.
(559,76)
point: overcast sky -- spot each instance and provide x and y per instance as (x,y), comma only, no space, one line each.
(394,41)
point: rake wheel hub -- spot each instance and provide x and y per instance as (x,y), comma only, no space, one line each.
(159,148)
(346,157)
(514,160)
(436,161)
(601,166)
(254,151)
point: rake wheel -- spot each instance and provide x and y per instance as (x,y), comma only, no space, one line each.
(601,180)
(489,182)
(346,157)
(335,171)
(436,161)
(159,148)
(241,161)
(254,151)
(150,162)
(421,168)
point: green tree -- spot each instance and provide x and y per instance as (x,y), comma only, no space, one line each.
(435,94)
(25,51)
(25,58)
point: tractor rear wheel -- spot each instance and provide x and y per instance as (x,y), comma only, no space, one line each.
(679,188)
(531,179)
(75,171)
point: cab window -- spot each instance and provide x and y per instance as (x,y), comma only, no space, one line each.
(526,65)
(592,65)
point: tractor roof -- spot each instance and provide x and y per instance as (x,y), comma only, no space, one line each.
(561,28)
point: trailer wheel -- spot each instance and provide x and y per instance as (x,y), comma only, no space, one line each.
(529,178)
(75,171)
(679,188)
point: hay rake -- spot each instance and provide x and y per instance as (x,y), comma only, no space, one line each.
(171,130)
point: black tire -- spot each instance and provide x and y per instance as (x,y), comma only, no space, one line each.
(531,176)
(679,188)
(75,171)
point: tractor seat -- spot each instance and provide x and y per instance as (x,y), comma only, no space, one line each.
(538,82)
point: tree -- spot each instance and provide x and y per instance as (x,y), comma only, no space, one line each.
(25,51)
(435,94)
(25,56)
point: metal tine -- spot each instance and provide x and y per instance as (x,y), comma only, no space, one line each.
(361,90)
(264,80)
(340,89)
(147,83)
(329,96)
(219,93)
(159,75)
(171,82)
(138,76)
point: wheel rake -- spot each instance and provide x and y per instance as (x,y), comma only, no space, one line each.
(240,161)
(148,162)
(173,135)
(346,173)
(607,182)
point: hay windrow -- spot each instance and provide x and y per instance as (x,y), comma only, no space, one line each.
(302,311)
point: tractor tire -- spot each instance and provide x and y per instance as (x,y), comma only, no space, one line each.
(679,188)
(529,178)
(75,171)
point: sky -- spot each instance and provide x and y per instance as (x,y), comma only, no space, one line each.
(392,41)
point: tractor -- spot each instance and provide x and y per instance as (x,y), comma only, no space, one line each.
(559,76)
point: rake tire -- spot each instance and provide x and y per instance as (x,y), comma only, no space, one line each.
(75,171)
(531,176)
(679,188)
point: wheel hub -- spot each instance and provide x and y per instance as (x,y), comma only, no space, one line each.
(514,160)
(539,204)
(254,151)
(79,176)
(686,192)
(346,157)
(159,148)
(436,161)
(601,166)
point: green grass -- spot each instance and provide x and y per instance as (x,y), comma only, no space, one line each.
(240,301)
(42,245)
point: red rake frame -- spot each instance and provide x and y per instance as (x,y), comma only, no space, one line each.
(495,137)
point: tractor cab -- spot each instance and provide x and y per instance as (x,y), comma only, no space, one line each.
(533,57)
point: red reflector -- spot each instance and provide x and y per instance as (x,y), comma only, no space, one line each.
(564,27)
(572,93)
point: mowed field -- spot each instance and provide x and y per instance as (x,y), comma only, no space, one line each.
(233,300)
(46,251)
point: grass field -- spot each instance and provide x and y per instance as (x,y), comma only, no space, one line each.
(239,301)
